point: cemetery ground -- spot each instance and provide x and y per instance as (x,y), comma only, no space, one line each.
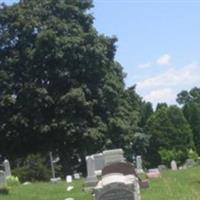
(174,185)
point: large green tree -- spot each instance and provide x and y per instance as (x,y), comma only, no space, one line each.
(171,135)
(191,109)
(60,87)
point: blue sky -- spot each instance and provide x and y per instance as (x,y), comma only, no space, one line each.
(158,43)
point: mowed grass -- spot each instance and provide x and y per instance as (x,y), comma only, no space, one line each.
(173,185)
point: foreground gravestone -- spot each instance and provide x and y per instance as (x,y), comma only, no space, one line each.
(117,186)
(2,178)
(7,169)
(113,156)
(174,165)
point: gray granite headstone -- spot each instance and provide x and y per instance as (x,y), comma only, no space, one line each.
(2,178)
(113,156)
(91,179)
(139,168)
(190,163)
(99,163)
(6,164)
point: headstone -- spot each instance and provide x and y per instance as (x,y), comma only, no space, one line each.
(91,179)
(55,180)
(118,186)
(190,163)
(99,163)
(2,178)
(77,176)
(153,173)
(139,165)
(7,168)
(173,165)
(162,168)
(52,166)
(113,156)
(69,179)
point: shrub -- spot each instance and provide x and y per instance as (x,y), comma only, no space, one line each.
(192,155)
(33,168)
(12,180)
(168,155)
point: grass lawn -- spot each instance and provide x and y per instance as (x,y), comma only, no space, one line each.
(180,185)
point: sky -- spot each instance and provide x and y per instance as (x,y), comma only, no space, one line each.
(158,43)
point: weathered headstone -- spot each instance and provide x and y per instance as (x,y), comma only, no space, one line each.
(139,165)
(113,156)
(118,186)
(162,168)
(190,163)
(99,163)
(2,178)
(7,168)
(91,179)
(174,165)
(77,176)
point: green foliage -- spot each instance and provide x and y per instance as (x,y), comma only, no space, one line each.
(191,110)
(171,136)
(33,168)
(168,155)
(60,85)
(192,155)
(12,181)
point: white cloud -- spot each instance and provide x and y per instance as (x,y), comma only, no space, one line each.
(164,60)
(162,95)
(165,86)
(145,65)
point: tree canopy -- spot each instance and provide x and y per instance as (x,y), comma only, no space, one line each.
(61,88)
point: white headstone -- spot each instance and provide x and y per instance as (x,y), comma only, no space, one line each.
(7,168)
(69,179)
(173,165)
(77,176)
